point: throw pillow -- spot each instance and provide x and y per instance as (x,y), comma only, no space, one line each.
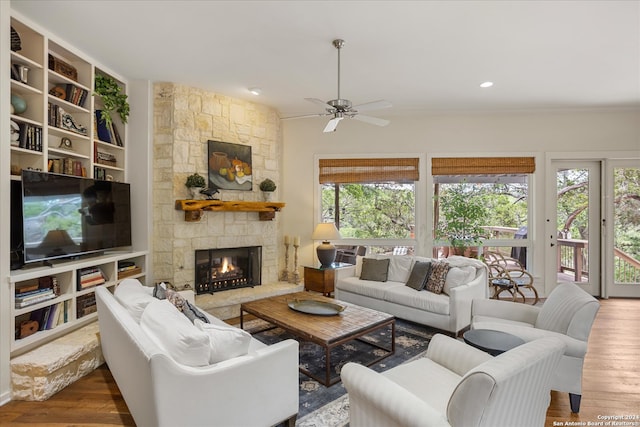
(437,277)
(457,276)
(226,342)
(134,297)
(184,306)
(399,268)
(419,275)
(375,269)
(175,334)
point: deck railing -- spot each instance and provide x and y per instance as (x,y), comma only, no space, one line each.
(627,268)
(573,256)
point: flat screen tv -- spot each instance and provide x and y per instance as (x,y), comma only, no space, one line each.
(67,216)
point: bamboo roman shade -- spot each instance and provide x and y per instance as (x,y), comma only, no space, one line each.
(482,165)
(340,171)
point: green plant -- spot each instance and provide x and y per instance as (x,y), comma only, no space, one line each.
(112,98)
(268,185)
(462,216)
(195,180)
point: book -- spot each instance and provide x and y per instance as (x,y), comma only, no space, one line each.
(104,134)
(37,300)
(25,296)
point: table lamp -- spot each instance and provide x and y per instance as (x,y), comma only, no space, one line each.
(326,251)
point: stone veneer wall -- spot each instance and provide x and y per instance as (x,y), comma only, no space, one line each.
(185,118)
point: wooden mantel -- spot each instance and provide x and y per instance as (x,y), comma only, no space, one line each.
(193,208)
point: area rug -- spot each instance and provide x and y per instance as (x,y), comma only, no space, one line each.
(328,406)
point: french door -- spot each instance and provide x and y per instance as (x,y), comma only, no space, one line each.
(574,225)
(622,242)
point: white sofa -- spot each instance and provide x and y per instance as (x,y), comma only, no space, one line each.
(456,385)
(449,311)
(259,388)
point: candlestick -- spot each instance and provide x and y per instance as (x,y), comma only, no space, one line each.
(296,241)
(296,274)
(284,277)
(286,239)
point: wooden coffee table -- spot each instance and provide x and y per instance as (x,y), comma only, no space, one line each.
(326,331)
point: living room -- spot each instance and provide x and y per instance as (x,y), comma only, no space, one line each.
(289,151)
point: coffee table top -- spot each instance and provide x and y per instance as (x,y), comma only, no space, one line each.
(493,342)
(316,328)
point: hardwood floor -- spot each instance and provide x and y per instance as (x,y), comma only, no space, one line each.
(611,383)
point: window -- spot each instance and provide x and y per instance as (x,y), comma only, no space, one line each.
(500,186)
(371,199)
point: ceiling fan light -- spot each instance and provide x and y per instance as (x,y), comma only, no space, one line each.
(486,85)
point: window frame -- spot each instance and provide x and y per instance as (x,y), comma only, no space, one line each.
(419,237)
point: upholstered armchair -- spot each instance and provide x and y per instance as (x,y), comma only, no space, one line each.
(456,385)
(567,314)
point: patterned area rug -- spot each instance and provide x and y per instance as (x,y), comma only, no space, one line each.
(329,406)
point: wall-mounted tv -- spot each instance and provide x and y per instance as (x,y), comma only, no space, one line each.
(67,216)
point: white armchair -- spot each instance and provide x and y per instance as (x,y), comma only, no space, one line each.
(456,385)
(567,314)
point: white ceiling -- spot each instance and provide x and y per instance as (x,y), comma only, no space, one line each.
(423,56)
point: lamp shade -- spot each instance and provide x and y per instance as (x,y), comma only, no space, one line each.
(326,251)
(326,231)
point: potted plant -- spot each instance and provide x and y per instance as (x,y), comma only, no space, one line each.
(267,186)
(195,183)
(113,99)
(462,217)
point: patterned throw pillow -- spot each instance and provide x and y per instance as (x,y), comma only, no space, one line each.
(419,275)
(437,277)
(375,269)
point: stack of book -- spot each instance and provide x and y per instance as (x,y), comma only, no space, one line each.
(36,291)
(86,304)
(67,166)
(89,277)
(106,158)
(25,299)
(127,268)
(30,137)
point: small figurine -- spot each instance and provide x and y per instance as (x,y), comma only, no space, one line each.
(209,192)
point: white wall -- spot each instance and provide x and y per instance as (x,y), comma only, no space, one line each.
(607,134)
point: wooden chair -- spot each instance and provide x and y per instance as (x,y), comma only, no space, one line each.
(507,274)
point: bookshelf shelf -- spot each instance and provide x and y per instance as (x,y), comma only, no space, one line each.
(71,295)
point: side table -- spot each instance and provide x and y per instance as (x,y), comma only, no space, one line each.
(321,278)
(493,342)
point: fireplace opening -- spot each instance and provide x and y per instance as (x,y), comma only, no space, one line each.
(228,268)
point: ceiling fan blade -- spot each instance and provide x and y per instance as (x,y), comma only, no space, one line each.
(372,120)
(306,116)
(319,102)
(333,124)
(374,105)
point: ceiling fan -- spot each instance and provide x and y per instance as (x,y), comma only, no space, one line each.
(340,108)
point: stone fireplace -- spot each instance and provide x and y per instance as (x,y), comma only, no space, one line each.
(224,269)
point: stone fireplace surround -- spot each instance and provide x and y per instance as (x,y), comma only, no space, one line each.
(185,118)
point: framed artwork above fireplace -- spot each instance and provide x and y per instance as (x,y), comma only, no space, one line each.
(229,166)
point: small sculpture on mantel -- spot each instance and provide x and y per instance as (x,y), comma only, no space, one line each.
(209,193)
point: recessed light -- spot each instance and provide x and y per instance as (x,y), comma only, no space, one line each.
(255,90)
(486,84)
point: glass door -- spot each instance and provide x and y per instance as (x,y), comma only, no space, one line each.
(574,228)
(622,246)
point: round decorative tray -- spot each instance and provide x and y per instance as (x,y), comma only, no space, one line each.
(316,307)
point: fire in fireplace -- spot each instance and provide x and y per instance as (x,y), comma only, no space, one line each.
(227,268)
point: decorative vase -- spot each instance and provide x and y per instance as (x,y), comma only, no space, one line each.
(267,195)
(195,192)
(19,104)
